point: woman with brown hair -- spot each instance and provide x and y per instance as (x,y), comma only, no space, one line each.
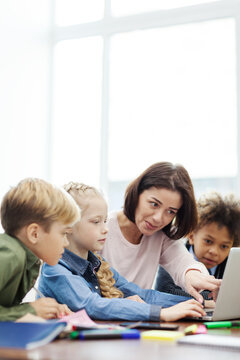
(159,209)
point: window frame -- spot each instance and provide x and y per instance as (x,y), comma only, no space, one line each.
(111,25)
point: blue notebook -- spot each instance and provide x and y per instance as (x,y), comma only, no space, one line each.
(28,335)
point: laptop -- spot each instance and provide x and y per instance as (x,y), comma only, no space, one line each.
(228,301)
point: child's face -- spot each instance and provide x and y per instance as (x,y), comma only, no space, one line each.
(211,244)
(91,231)
(50,247)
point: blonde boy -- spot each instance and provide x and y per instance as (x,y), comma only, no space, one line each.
(36,218)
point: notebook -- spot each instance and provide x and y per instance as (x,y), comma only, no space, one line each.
(28,335)
(228,300)
(228,342)
(80,319)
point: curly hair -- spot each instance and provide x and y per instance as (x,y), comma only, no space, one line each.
(82,193)
(224,211)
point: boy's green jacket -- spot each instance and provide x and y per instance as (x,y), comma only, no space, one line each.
(19,269)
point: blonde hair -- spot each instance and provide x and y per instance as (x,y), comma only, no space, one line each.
(36,201)
(81,193)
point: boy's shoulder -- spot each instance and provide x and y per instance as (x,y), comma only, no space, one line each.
(11,246)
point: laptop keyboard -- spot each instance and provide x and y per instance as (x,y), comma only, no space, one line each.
(209,313)
(207,317)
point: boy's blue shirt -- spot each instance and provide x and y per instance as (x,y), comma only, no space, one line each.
(73,281)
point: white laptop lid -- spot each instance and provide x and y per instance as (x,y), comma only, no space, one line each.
(228,300)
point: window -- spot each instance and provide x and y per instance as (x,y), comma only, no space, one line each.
(163,87)
(173,97)
(24,92)
(77,111)
(126,7)
(71,12)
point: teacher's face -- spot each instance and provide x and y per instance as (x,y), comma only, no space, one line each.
(156,208)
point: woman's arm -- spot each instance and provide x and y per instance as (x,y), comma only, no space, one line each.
(188,273)
(165,283)
(177,260)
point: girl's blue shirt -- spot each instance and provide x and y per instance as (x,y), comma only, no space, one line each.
(73,281)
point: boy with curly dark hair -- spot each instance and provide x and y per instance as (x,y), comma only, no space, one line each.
(218,229)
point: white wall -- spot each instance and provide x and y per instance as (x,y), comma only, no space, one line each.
(24,89)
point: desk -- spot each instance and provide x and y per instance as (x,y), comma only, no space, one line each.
(125,349)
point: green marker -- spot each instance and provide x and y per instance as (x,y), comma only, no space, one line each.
(222,324)
(74,335)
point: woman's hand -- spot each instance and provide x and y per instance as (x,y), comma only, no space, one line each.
(135,298)
(195,281)
(181,310)
(48,308)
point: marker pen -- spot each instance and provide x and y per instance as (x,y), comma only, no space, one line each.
(105,334)
(222,324)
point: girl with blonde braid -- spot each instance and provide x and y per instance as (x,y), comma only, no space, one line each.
(83,279)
